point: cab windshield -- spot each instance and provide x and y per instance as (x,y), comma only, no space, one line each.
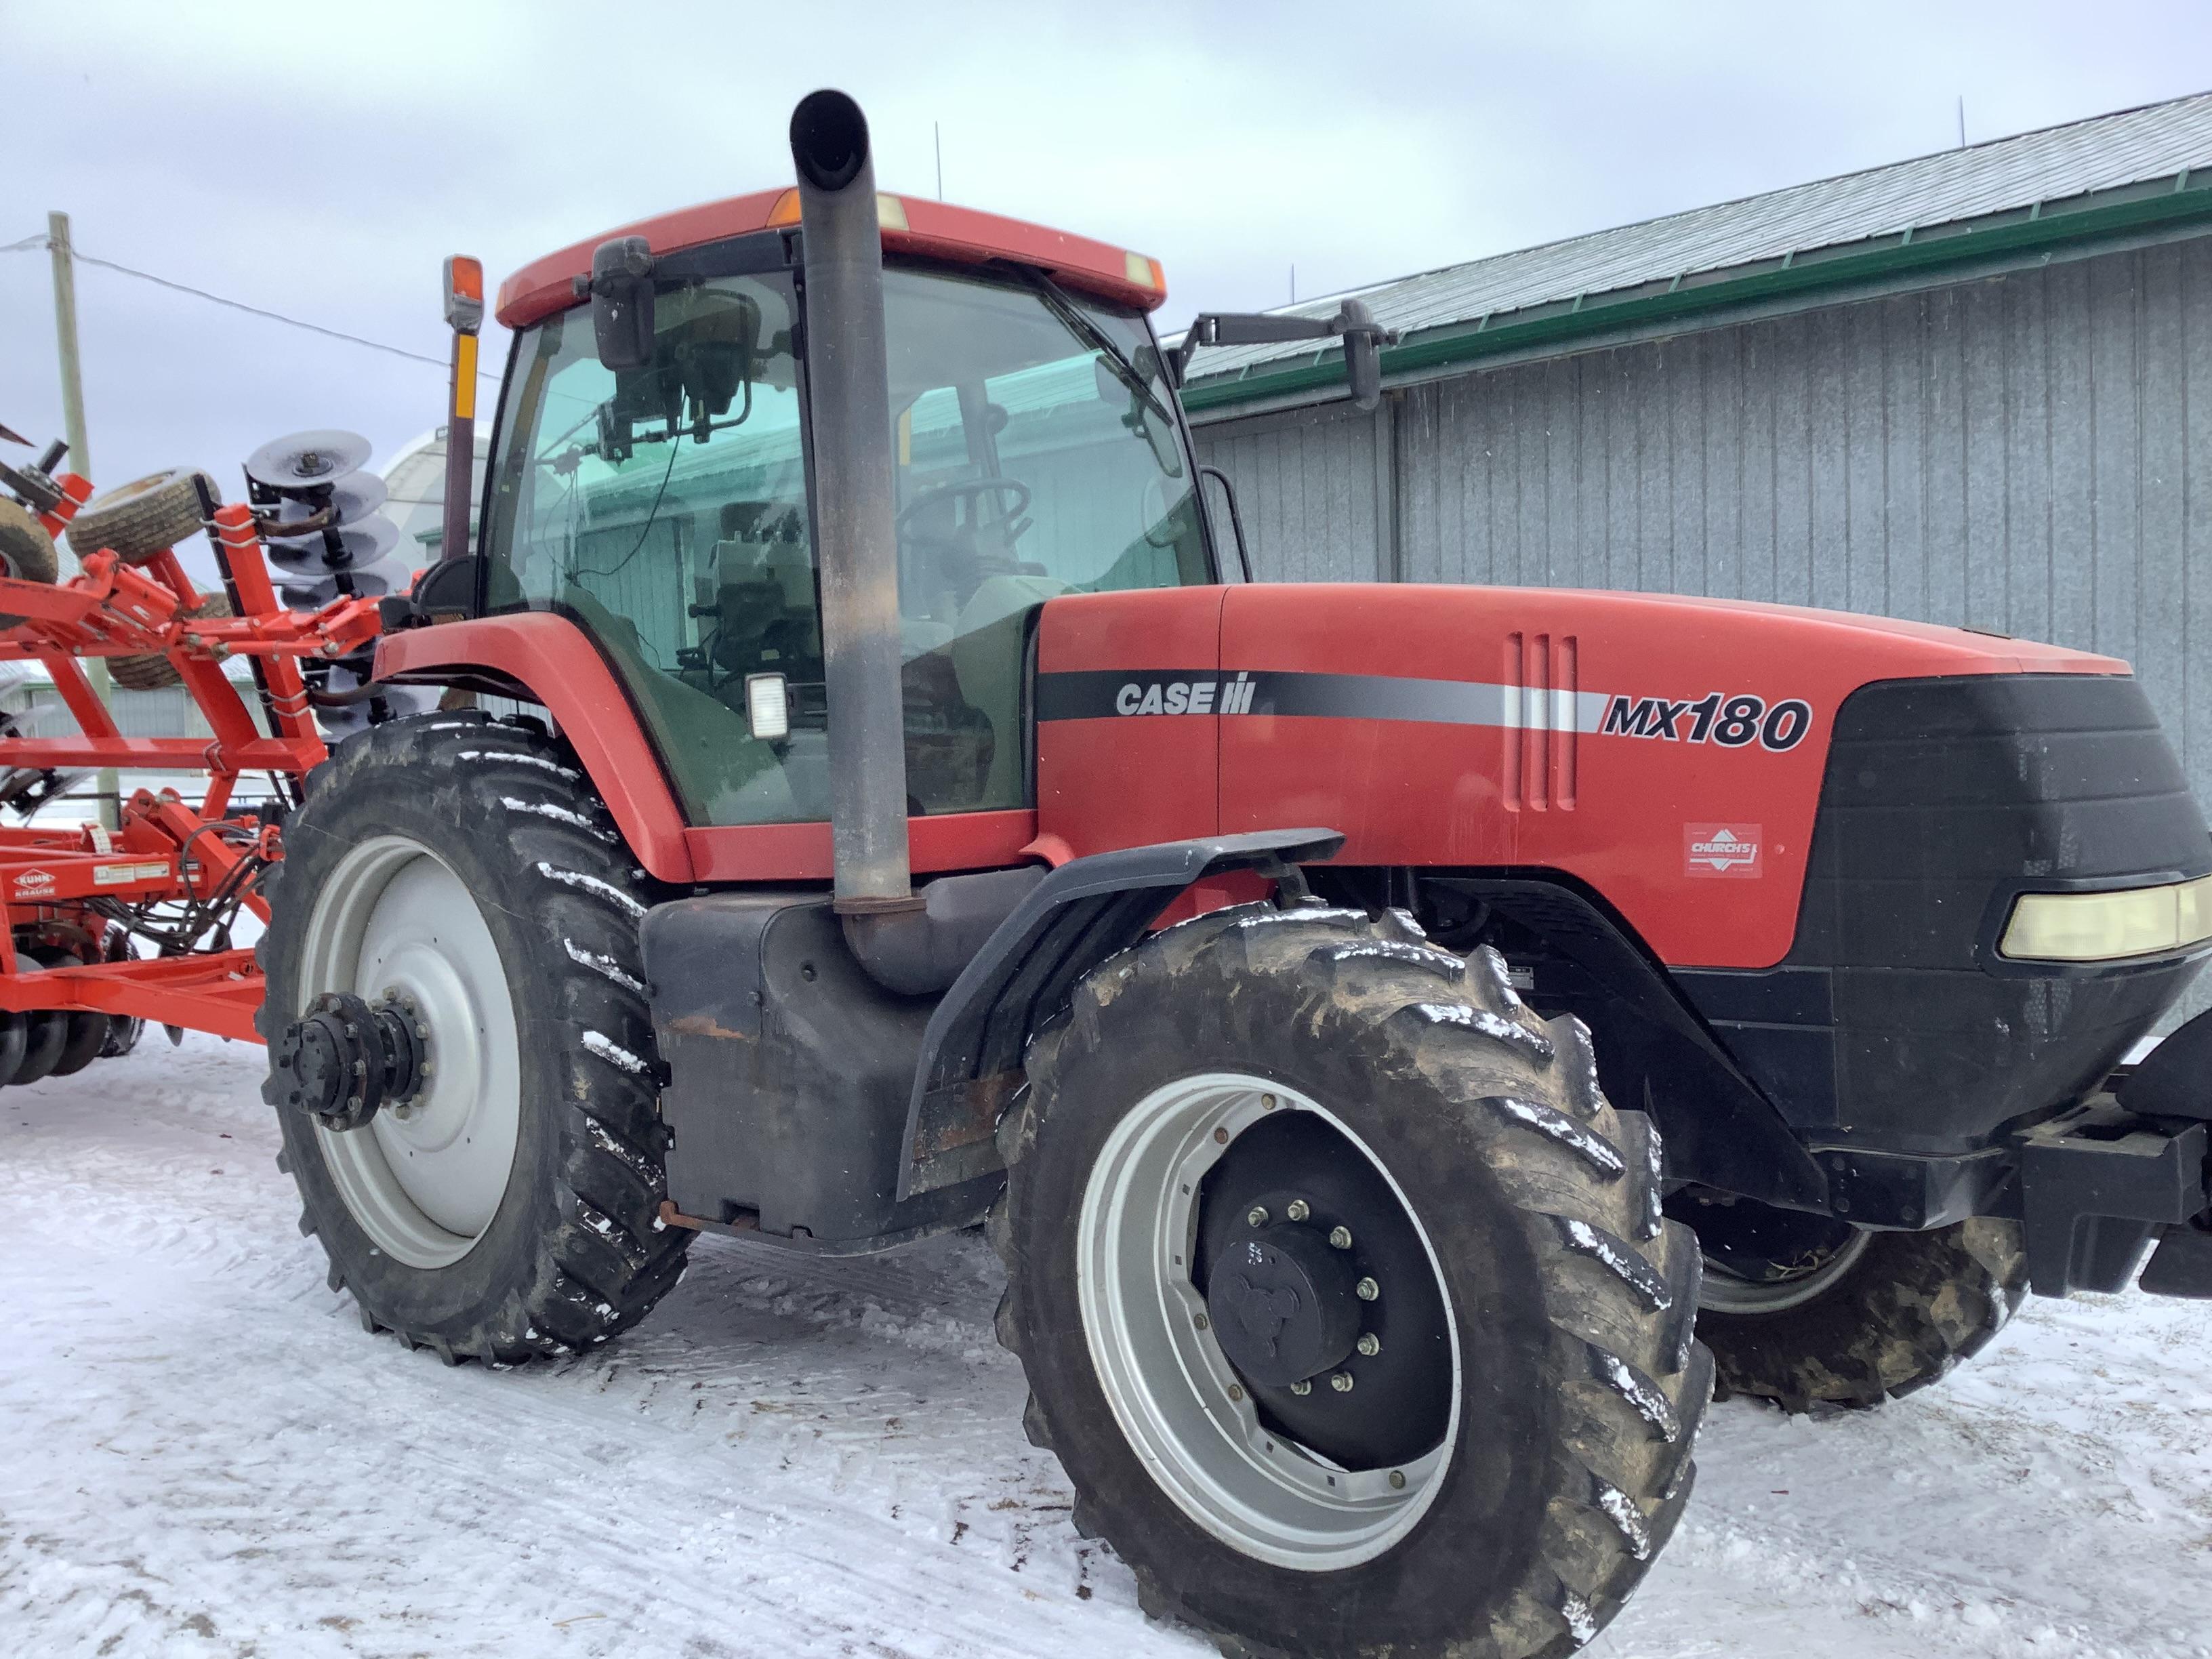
(666,508)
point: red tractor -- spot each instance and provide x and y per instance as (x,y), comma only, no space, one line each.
(922,829)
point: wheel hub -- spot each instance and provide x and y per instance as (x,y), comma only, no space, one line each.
(1282,1304)
(1223,1219)
(344,1059)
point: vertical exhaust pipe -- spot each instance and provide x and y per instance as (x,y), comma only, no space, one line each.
(849,398)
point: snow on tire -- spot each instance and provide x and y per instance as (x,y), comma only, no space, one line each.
(466,863)
(1314,1087)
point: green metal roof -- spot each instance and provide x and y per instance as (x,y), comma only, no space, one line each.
(2138,171)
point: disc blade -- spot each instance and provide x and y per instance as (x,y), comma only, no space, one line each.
(364,542)
(354,497)
(304,459)
(369,582)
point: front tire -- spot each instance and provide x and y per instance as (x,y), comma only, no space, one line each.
(464,867)
(1804,1311)
(1494,1476)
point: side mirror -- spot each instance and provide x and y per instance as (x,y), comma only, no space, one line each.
(620,290)
(1362,365)
(1363,340)
(1363,353)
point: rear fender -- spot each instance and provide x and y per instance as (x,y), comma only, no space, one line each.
(546,658)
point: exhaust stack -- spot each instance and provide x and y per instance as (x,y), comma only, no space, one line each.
(849,412)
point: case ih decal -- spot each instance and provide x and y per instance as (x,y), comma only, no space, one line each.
(1733,720)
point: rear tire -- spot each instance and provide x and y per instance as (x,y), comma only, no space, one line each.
(467,863)
(1888,1312)
(1554,1380)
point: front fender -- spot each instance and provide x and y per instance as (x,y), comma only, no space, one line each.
(546,658)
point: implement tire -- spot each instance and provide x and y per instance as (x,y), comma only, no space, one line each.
(512,1208)
(137,520)
(1499,1470)
(150,671)
(1893,1313)
(26,552)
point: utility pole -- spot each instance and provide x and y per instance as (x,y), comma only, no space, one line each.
(80,453)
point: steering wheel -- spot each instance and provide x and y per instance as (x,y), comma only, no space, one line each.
(1014,489)
(958,558)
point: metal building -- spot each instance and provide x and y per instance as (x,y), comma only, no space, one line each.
(1970,388)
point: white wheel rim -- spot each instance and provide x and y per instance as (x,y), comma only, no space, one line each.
(1724,1292)
(393,917)
(1165,1376)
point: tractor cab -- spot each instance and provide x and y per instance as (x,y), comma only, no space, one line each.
(667,505)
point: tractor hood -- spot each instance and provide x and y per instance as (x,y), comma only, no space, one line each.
(1667,752)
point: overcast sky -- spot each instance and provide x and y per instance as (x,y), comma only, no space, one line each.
(319,160)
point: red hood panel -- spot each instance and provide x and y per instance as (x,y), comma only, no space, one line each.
(1667,752)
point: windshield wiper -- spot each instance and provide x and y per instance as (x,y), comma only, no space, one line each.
(1074,318)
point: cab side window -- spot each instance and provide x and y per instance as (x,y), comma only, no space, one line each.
(664,509)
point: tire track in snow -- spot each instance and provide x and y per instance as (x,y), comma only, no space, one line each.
(799,1455)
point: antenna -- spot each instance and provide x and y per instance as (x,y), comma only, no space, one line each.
(1962,120)
(1294,281)
(936,137)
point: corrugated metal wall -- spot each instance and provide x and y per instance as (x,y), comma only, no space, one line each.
(2030,453)
(1307,485)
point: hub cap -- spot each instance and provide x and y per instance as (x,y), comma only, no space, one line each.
(393,924)
(1268,1320)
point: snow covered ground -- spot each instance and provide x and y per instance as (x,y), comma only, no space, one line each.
(200,1454)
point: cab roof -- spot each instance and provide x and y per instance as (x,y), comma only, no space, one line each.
(910,225)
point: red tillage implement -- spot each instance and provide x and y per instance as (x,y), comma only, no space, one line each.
(179,868)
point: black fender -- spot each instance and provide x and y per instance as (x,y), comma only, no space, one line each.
(1655,1054)
(1085,911)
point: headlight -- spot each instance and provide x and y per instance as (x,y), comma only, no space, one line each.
(2139,921)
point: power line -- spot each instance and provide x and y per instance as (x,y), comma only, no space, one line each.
(83,258)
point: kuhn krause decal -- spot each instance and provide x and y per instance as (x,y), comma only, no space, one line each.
(1731,719)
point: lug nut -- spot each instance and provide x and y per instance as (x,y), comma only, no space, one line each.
(1340,1237)
(1370,1343)
(1236,1392)
(1302,1389)
(1266,1103)
(1340,1381)
(1256,1216)
(1298,1210)
(1397,1481)
(1367,1289)
(1221,1137)
(1198,1319)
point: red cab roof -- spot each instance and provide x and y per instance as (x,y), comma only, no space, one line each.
(911,225)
